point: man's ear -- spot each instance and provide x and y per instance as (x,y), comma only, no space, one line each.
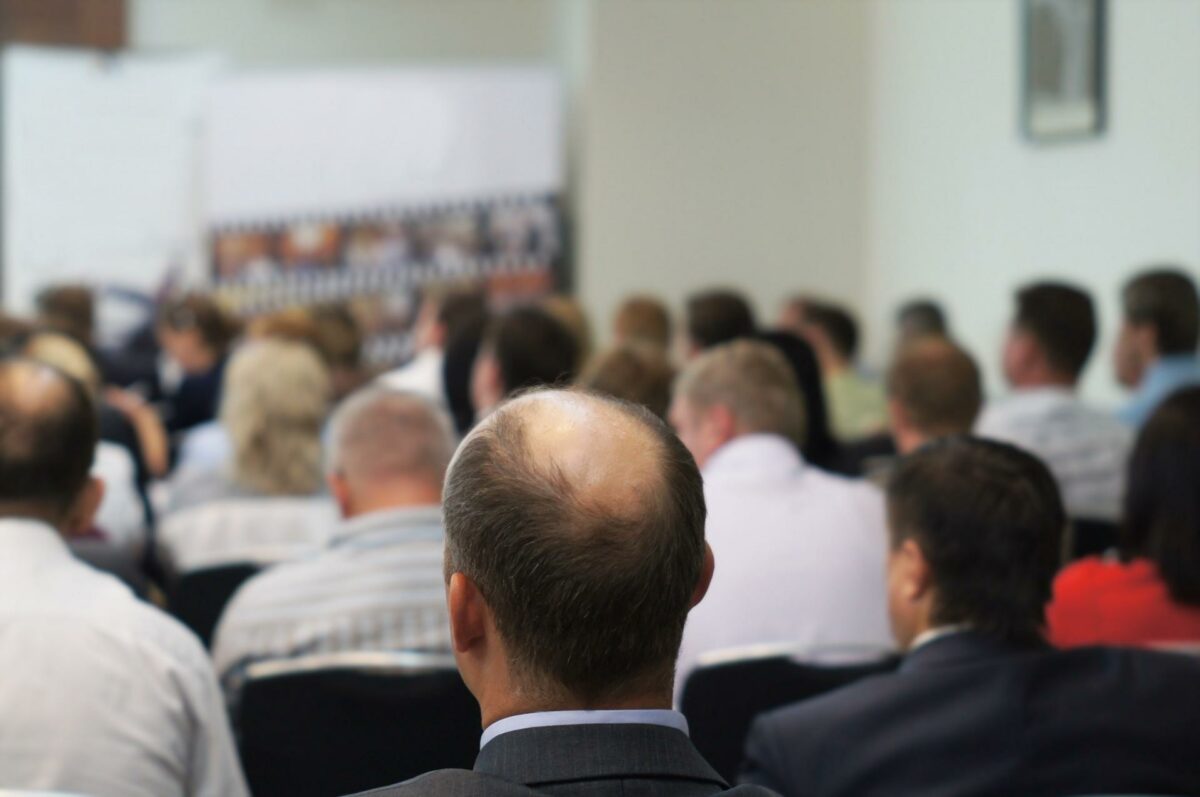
(706,576)
(82,515)
(468,613)
(915,573)
(339,488)
(721,423)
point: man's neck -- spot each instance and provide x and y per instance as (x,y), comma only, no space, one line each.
(516,702)
(1044,379)
(394,497)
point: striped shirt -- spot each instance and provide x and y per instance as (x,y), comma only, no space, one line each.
(1086,450)
(377,586)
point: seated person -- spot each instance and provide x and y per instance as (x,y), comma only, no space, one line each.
(856,401)
(526,347)
(636,372)
(1155,353)
(1149,593)
(443,314)
(1048,345)
(981,705)
(569,312)
(920,318)
(196,336)
(643,320)
(275,403)
(817,540)
(378,585)
(101,694)
(554,505)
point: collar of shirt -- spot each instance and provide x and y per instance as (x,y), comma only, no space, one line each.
(408,523)
(554,719)
(753,455)
(1164,377)
(934,634)
(24,541)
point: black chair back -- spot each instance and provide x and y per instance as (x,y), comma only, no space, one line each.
(198,597)
(1091,538)
(341,724)
(721,701)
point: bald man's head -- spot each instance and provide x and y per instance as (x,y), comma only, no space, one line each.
(48,434)
(581,521)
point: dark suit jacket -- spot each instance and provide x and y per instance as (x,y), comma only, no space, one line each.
(965,715)
(580,760)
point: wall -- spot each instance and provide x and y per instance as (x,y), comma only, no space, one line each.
(722,144)
(962,207)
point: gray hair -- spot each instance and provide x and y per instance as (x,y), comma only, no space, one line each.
(380,433)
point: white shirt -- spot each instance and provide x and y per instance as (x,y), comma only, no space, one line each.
(1086,450)
(557,719)
(421,375)
(100,693)
(121,516)
(378,586)
(800,556)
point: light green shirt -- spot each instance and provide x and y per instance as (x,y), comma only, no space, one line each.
(857,407)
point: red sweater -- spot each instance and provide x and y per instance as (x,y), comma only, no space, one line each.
(1103,602)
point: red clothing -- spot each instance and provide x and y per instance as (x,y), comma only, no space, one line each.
(1105,602)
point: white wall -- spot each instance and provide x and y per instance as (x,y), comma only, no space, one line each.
(722,144)
(962,207)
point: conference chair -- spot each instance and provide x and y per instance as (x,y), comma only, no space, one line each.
(198,598)
(729,689)
(340,723)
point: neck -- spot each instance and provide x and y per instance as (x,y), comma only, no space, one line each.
(832,363)
(1045,378)
(400,494)
(516,706)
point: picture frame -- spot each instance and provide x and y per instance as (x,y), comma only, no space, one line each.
(1063,76)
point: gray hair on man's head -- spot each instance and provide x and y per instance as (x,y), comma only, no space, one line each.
(379,433)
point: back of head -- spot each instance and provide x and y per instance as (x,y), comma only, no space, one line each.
(570,313)
(200,314)
(989,521)
(581,521)
(69,310)
(837,324)
(68,356)
(1166,300)
(643,319)
(532,348)
(716,317)
(48,435)
(461,310)
(921,318)
(1162,501)
(938,386)
(1062,319)
(751,379)
(275,401)
(379,436)
(640,374)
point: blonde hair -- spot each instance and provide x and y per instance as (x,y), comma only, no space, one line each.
(67,355)
(753,381)
(276,398)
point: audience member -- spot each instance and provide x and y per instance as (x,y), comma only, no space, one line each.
(570,313)
(636,372)
(196,335)
(443,313)
(68,310)
(556,503)
(644,320)
(856,402)
(981,705)
(934,390)
(1156,349)
(715,317)
(793,315)
(1150,595)
(338,338)
(920,318)
(1048,345)
(462,349)
(379,584)
(526,347)
(102,694)
(800,550)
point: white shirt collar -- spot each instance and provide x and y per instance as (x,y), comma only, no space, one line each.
(934,634)
(554,719)
(753,454)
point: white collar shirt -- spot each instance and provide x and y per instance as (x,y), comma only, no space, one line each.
(101,694)
(557,719)
(421,375)
(800,556)
(1086,450)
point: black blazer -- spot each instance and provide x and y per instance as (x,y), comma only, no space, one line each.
(965,715)
(580,760)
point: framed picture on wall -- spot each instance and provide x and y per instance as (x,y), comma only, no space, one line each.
(1063,80)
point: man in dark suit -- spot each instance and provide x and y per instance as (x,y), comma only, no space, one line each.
(574,550)
(981,706)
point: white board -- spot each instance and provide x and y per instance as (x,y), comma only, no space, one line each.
(100,167)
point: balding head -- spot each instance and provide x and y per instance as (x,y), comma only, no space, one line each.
(581,521)
(388,449)
(48,434)
(935,390)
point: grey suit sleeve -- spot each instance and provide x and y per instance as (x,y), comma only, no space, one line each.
(766,760)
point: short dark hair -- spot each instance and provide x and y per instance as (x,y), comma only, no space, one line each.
(70,310)
(1166,299)
(461,308)
(46,451)
(837,324)
(1062,319)
(920,317)
(939,386)
(1162,503)
(989,520)
(532,349)
(589,600)
(643,319)
(635,372)
(719,316)
(201,313)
